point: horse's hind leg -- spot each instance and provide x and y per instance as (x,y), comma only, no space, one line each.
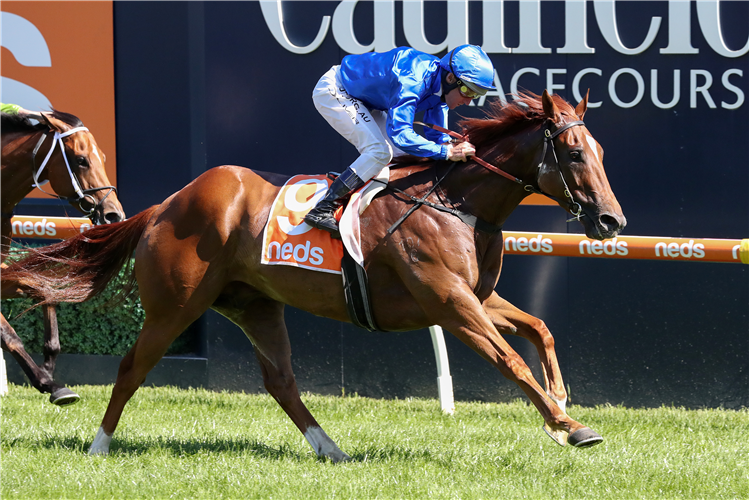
(535,331)
(262,321)
(39,378)
(153,341)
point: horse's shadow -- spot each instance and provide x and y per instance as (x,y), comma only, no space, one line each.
(187,447)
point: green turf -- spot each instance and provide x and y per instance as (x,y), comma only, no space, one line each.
(175,443)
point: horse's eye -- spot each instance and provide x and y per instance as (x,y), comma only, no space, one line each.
(82,161)
(576,156)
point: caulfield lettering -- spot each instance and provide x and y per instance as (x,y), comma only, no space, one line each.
(625,87)
(679,27)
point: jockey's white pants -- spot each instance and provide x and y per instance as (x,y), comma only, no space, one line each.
(362,127)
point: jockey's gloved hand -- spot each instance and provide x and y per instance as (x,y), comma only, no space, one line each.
(460,152)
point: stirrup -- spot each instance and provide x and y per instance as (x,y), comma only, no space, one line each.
(324,221)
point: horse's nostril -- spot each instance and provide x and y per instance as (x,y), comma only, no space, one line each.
(112,217)
(611,222)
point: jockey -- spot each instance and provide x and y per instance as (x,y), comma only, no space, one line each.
(15,109)
(371,99)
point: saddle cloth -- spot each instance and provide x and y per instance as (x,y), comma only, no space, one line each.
(289,241)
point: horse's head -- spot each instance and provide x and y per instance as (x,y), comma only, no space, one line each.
(572,171)
(79,175)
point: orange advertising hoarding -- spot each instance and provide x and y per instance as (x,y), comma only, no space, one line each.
(61,55)
(516,243)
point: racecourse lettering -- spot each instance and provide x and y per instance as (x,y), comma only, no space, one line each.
(625,87)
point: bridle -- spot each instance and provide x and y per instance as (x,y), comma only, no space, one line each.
(573,206)
(80,194)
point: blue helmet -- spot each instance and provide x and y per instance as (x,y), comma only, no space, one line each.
(471,65)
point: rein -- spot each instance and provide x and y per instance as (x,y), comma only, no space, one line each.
(468,219)
(574,207)
(81,194)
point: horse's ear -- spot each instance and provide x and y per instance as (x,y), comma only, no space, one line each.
(53,123)
(582,106)
(550,109)
(44,118)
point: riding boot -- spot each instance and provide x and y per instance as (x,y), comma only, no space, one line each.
(322,216)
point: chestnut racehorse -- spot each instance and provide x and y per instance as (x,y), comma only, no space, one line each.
(201,248)
(62,151)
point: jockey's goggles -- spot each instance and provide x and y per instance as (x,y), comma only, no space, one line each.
(467,92)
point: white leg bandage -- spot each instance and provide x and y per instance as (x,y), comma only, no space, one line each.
(323,445)
(100,446)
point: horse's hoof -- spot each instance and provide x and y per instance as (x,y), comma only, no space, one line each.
(339,457)
(584,438)
(63,397)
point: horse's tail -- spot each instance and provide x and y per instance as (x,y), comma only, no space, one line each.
(76,269)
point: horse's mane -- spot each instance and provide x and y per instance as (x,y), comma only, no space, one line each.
(17,123)
(525,110)
(500,119)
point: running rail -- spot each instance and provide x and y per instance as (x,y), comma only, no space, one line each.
(516,243)
(628,247)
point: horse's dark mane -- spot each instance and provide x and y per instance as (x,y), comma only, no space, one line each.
(16,123)
(525,110)
(71,120)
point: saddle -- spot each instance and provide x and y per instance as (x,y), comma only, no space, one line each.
(287,240)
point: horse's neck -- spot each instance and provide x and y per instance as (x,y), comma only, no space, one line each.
(17,169)
(487,194)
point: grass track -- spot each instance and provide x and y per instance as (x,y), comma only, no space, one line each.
(175,443)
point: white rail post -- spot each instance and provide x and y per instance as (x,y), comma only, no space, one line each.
(444,380)
(3,376)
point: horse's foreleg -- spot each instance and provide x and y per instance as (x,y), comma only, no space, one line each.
(263,323)
(51,338)
(280,383)
(468,321)
(39,378)
(535,331)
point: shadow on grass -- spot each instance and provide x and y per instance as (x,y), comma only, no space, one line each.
(176,447)
(189,447)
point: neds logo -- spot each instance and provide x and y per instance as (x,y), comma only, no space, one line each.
(28,228)
(301,252)
(40,229)
(299,199)
(609,247)
(539,244)
(686,250)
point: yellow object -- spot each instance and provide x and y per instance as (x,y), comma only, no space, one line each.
(744,251)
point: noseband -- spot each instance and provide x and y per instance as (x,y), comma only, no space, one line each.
(574,207)
(80,194)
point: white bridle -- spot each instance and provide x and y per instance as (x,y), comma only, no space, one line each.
(55,140)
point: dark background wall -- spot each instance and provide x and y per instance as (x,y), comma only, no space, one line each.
(203,84)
